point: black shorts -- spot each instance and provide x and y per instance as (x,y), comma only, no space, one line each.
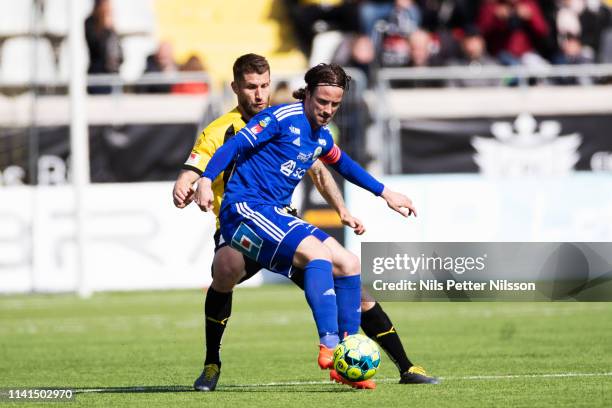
(251,267)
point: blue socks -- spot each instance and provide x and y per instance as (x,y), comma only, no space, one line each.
(348,299)
(332,298)
(321,297)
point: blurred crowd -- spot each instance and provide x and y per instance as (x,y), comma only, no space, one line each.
(106,56)
(369,34)
(423,33)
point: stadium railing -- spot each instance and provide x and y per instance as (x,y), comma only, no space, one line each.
(397,105)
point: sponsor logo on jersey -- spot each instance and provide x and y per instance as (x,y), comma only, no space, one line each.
(193,159)
(303,157)
(322,142)
(287,167)
(294,130)
(317,153)
(264,122)
(260,126)
(297,141)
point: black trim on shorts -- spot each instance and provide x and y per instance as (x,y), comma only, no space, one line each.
(251,267)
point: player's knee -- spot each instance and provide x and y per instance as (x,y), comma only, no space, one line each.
(228,269)
(226,276)
(366,299)
(348,265)
(366,305)
(322,252)
(309,250)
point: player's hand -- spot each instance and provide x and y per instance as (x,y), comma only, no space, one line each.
(182,194)
(399,202)
(353,222)
(204,195)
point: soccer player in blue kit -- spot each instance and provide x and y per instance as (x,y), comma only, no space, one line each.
(274,151)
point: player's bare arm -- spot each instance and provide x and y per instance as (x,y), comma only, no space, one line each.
(182,193)
(326,185)
(399,202)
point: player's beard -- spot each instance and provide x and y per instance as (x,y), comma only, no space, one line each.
(254,109)
(258,107)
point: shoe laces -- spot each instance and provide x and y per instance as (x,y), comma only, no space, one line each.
(210,371)
(417,370)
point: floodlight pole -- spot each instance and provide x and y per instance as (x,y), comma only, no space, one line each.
(79,140)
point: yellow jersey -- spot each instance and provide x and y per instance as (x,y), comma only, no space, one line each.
(211,138)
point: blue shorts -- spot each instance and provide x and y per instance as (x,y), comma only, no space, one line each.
(265,233)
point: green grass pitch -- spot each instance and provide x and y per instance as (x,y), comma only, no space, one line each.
(146,349)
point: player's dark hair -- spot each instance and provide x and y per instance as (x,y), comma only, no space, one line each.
(322,75)
(248,64)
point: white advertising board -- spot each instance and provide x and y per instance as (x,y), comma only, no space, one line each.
(136,239)
(474,208)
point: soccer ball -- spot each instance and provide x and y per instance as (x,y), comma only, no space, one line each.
(356,358)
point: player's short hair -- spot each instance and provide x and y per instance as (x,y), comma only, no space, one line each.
(248,64)
(322,75)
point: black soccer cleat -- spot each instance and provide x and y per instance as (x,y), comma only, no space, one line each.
(417,375)
(207,381)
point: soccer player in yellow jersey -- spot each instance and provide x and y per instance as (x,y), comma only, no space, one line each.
(251,85)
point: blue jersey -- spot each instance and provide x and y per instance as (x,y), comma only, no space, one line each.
(281,148)
(274,151)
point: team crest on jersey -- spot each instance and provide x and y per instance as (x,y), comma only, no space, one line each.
(317,153)
(247,241)
(260,125)
(294,130)
(303,157)
(322,142)
(193,159)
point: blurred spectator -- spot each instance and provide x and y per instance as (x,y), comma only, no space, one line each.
(356,51)
(568,16)
(193,64)
(372,11)
(445,14)
(512,30)
(572,52)
(395,51)
(473,55)
(310,17)
(422,52)
(405,18)
(594,19)
(105,55)
(422,49)
(162,61)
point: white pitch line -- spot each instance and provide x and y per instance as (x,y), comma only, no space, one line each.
(511,376)
(380,380)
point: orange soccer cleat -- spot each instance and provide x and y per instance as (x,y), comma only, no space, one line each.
(360,385)
(326,357)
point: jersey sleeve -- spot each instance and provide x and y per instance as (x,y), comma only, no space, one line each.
(331,152)
(205,146)
(260,129)
(351,170)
